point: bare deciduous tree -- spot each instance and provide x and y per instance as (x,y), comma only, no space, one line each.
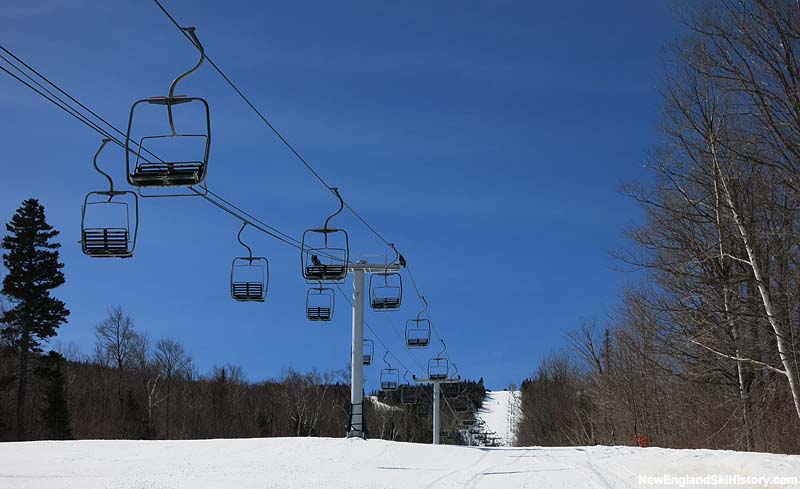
(171,360)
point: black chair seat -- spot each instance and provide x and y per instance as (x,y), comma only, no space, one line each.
(170,174)
(111,242)
(386,303)
(326,272)
(248,291)
(318,313)
(418,342)
(367,360)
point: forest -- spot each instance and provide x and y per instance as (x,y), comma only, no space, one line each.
(703,350)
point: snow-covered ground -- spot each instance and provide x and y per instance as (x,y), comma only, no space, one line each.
(500,412)
(313,463)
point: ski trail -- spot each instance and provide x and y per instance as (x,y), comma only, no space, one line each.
(500,414)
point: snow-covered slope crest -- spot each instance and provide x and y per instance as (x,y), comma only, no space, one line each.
(294,463)
(500,413)
(382,405)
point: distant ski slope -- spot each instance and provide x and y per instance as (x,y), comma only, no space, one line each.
(500,412)
(382,405)
(324,463)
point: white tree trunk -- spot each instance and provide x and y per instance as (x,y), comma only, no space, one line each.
(730,319)
(783,349)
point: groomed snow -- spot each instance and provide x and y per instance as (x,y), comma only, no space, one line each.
(500,413)
(314,463)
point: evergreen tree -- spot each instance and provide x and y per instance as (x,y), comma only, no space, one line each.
(33,271)
(137,424)
(55,412)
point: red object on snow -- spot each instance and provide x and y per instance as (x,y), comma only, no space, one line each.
(643,441)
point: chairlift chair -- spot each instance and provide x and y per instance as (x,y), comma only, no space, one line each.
(451,390)
(143,171)
(109,240)
(249,275)
(439,366)
(423,411)
(460,404)
(249,278)
(107,230)
(325,251)
(418,331)
(319,303)
(386,288)
(385,291)
(368,350)
(408,392)
(390,377)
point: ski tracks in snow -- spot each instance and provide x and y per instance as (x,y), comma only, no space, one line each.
(458,473)
(607,477)
(494,471)
(527,468)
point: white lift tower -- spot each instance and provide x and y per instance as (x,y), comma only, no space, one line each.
(437,405)
(359,269)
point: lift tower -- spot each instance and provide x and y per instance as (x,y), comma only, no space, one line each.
(358,269)
(437,401)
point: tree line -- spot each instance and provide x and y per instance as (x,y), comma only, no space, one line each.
(703,351)
(132,388)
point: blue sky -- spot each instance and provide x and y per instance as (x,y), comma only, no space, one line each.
(487,139)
